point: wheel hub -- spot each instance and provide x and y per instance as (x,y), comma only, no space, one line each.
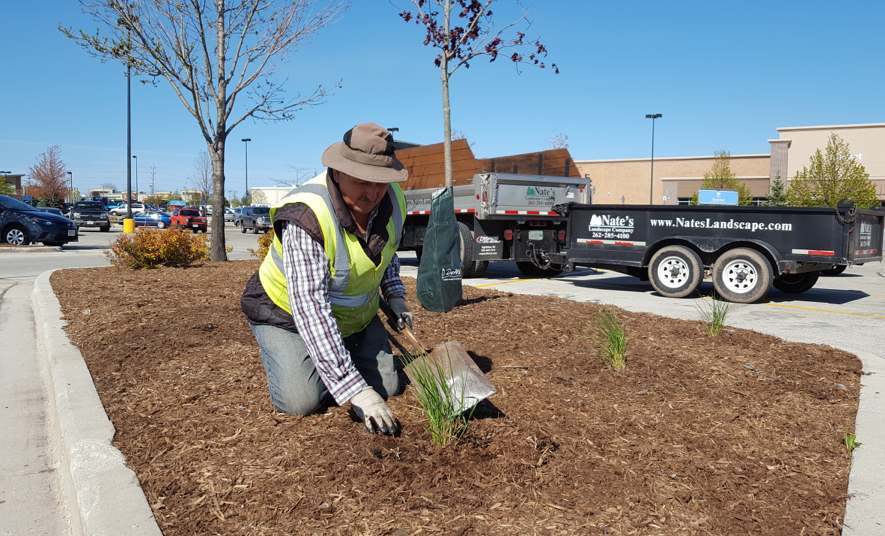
(673,272)
(740,276)
(15,237)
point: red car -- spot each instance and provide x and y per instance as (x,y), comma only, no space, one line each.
(189,218)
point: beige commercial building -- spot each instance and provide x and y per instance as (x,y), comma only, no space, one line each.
(676,179)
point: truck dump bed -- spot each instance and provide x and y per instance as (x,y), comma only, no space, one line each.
(496,195)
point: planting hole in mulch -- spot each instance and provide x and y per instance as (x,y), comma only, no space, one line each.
(739,434)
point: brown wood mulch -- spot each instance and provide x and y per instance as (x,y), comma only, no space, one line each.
(739,434)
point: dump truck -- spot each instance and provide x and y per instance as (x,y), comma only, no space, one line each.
(745,250)
(503,216)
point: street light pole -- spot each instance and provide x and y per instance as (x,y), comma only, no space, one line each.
(135,157)
(651,181)
(246,145)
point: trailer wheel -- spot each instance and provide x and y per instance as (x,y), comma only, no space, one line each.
(835,270)
(742,275)
(675,271)
(469,266)
(796,283)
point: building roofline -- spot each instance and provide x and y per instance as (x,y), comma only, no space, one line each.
(753,155)
(831,127)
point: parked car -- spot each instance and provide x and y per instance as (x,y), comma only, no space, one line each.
(238,211)
(255,218)
(120,210)
(160,220)
(52,210)
(21,224)
(190,218)
(91,214)
(229,214)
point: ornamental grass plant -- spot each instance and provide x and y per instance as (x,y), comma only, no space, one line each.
(614,341)
(151,248)
(714,313)
(438,397)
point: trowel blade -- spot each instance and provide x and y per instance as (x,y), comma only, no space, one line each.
(469,385)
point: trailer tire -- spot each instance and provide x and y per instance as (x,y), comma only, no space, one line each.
(676,271)
(796,283)
(742,275)
(835,270)
(469,266)
(528,269)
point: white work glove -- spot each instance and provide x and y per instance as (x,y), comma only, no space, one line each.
(374,412)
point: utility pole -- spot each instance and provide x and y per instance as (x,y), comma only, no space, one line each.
(651,181)
(71,189)
(129,143)
(153,179)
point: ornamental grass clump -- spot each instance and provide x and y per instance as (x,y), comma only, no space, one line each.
(439,399)
(150,248)
(713,313)
(614,341)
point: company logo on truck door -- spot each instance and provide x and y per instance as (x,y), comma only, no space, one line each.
(604,220)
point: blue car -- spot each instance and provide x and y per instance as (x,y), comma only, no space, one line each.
(21,224)
(160,220)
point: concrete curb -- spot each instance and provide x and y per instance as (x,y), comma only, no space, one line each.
(28,249)
(102,495)
(866,486)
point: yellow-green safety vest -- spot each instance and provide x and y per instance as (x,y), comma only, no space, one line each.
(354,278)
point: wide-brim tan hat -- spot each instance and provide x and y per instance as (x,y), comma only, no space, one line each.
(367,154)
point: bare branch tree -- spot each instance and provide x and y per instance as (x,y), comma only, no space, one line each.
(559,141)
(461,40)
(202,180)
(48,181)
(218,56)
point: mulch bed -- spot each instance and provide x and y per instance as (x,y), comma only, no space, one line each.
(739,434)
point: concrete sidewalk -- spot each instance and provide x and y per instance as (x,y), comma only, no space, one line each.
(60,472)
(30,498)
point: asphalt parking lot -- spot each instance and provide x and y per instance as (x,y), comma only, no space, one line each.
(91,238)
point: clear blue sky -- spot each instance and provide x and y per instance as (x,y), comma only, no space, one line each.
(724,74)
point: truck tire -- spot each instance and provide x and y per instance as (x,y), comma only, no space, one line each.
(796,283)
(469,267)
(742,275)
(242,228)
(835,270)
(676,271)
(528,269)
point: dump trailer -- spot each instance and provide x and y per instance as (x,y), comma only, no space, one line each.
(745,250)
(503,216)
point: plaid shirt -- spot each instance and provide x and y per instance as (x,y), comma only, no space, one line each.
(307,274)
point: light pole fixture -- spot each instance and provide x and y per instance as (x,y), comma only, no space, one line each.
(651,181)
(135,157)
(71,189)
(246,145)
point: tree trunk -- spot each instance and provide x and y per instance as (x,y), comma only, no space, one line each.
(217,247)
(447,111)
